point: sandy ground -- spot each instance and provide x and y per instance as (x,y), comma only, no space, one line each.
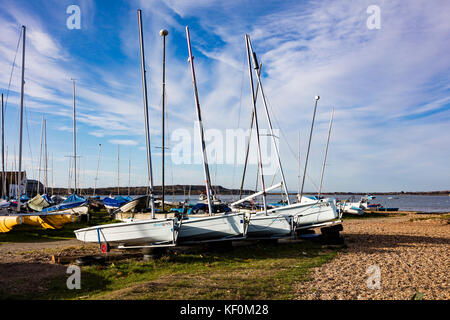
(411,256)
(29,267)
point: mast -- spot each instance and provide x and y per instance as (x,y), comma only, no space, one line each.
(200,125)
(299,163)
(3,153)
(98,164)
(40,157)
(249,139)
(129,173)
(53,192)
(74,140)
(309,145)
(6,169)
(255,61)
(256,66)
(21,115)
(147,130)
(326,151)
(45,159)
(163,34)
(118,169)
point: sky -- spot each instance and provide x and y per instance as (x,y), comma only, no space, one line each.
(389,87)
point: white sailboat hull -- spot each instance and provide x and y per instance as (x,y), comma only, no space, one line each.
(84,209)
(270,226)
(142,232)
(352,208)
(130,206)
(213,227)
(309,213)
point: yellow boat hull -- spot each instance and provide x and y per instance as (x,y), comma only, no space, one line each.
(56,221)
(8,222)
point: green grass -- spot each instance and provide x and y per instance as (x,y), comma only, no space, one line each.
(26,233)
(260,271)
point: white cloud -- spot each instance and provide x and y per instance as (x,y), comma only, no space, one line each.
(124,142)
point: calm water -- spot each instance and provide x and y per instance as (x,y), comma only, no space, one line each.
(403,202)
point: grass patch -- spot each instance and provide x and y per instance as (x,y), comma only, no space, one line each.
(26,233)
(260,271)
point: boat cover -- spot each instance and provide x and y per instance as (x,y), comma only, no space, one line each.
(38,203)
(71,202)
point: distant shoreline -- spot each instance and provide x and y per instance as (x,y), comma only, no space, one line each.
(198,189)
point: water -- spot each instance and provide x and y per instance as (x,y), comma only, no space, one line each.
(403,202)
(410,202)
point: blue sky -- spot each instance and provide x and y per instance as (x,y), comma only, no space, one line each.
(389,86)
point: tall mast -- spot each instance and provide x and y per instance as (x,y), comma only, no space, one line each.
(255,114)
(299,175)
(309,145)
(3,153)
(40,156)
(326,151)
(163,34)
(45,159)
(200,125)
(52,177)
(6,169)
(147,129)
(269,122)
(118,169)
(248,143)
(129,174)
(98,164)
(21,116)
(74,140)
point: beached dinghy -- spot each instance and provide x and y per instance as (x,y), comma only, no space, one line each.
(269,226)
(209,228)
(73,204)
(134,205)
(140,233)
(38,203)
(215,227)
(150,232)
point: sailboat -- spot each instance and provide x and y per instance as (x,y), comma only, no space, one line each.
(52,220)
(113,203)
(136,233)
(74,204)
(214,226)
(39,202)
(303,214)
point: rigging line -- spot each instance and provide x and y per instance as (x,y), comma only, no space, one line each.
(286,141)
(239,120)
(28,134)
(12,70)
(166,123)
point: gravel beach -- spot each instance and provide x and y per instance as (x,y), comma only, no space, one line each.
(410,253)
